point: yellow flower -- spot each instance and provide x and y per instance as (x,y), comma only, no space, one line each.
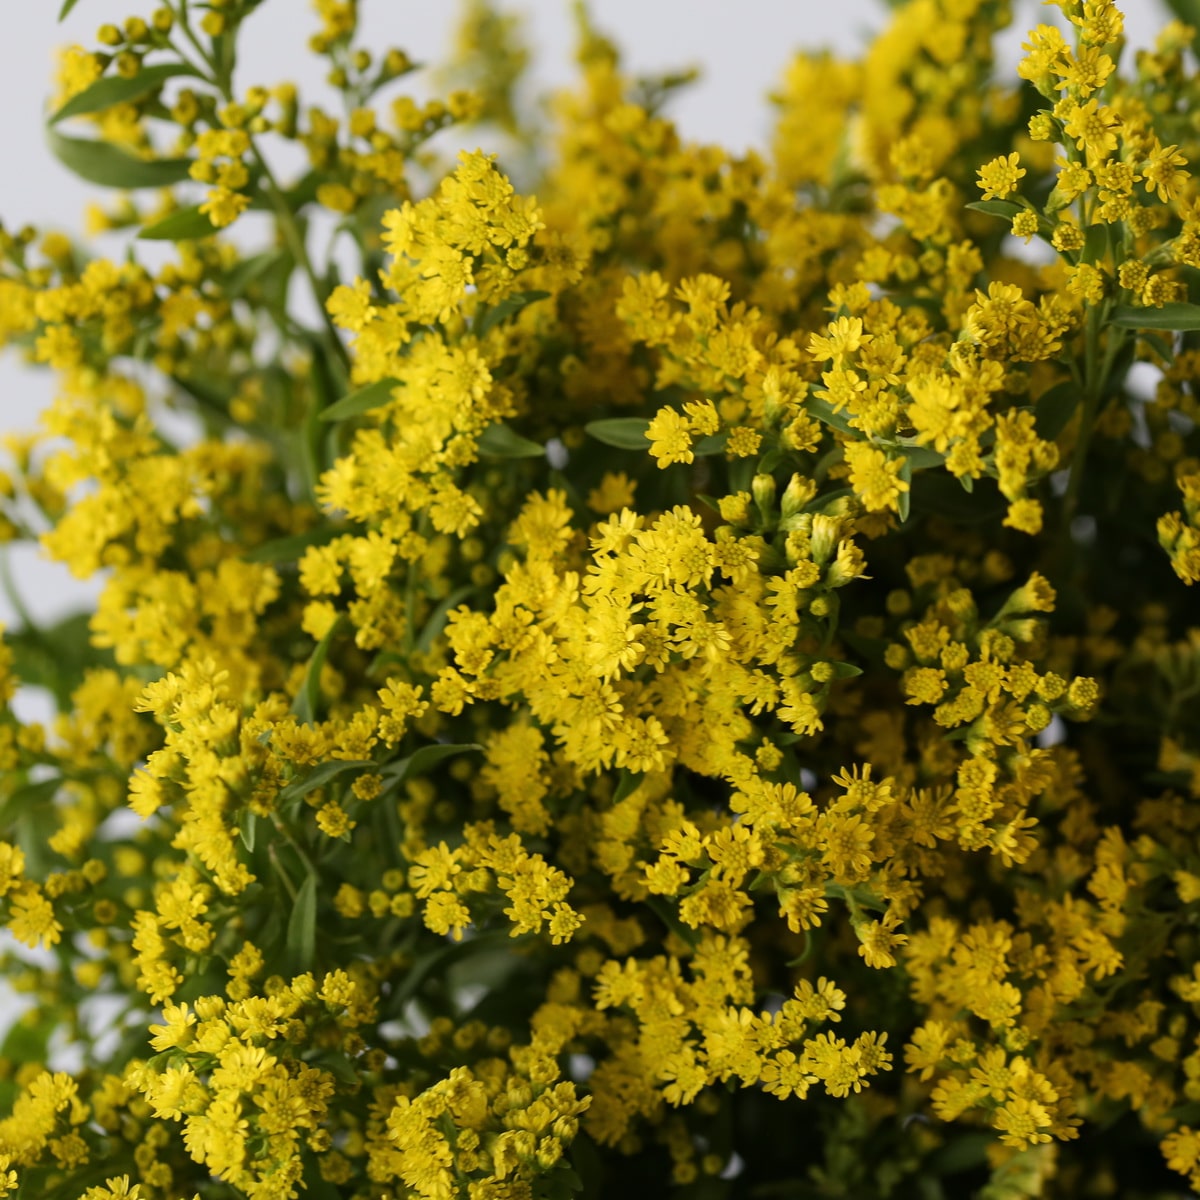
(1093,126)
(670,437)
(223,206)
(999,177)
(875,477)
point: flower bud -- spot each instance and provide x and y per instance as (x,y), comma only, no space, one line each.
(826,531)
(762,488)
(847,566)
(734,508)
(798,493)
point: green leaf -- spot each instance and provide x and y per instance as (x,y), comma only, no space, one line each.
(769,461)
(626,433)
(210,393)
(845,670)
(1095,244)
(491,317)
(921,458)
(1008,209)
(319,776)
(904,499)
(823,411)
(629,783)
(670,918)
(289,549)
(186,225)
(116,89)
(28,1037)
(855,897)
(1179,317)
(589,1163)
(56,657)
(339,1066)
(28,798)
(965,1152)
(248,829)
(996,208)
(439,959)
(498,441)
(1188,11)
(302,926)
(802,957)
(302,192)
(559,1183)
(67,5)
(364,400)
(423,760)
(714,443)
(1053,409)
(1162,345)
(314,437)
(109,166)
(309,698)
(240,277)
(437,619)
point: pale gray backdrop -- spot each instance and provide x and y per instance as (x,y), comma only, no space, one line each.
(742,47)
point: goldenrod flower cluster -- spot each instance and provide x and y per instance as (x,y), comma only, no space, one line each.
(617,665)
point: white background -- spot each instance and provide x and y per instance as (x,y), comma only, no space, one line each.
(742,48)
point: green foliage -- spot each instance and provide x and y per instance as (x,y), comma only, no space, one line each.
(790,795)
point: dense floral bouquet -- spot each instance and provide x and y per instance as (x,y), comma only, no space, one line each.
(675,676)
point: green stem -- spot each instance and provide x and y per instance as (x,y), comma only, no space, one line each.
(1095,377)
(295,241)
(181,15)
(288,837)
(289,887)
(285,218)
(14,596)
(410,593)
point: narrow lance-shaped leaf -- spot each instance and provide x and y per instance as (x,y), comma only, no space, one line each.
(244,273)
(248,829)
(824,411)
(995,208)
(289,549)
(904,499)
(1178,316)
(1095,244)
(321,775)
(363,400)
(921,458)
(302,926)
(714,443)
(425,759)
(186,225)
(1053,409)
(117,89)
(508,307)
(309,698)
(110,166)
(845,670)
(1188,11)
(498,441)
(628,783)
(1008,209)
(437,619)
(25,799)
(626,433)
